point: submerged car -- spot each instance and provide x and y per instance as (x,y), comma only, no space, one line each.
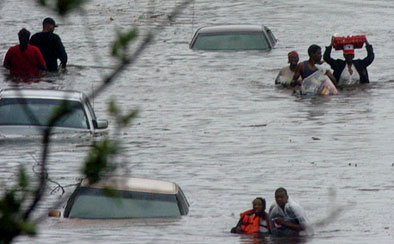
(233,37)
(125,198)
(26,112)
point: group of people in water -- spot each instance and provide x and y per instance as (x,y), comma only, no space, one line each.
(347,71)
(40,53)
(37,54)
(284,218)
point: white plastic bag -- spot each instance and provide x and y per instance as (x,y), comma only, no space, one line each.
(318,84)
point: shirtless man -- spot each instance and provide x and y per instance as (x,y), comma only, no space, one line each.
(310,66)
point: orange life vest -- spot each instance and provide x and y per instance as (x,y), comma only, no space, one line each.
(250,223)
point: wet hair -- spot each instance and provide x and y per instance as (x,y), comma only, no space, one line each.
(313,49)
(281,189)
(24,36)
(262,201)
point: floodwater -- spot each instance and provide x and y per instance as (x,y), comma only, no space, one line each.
(214,122)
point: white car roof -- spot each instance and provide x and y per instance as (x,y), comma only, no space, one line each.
(231,28)
(41,93)
(135,184)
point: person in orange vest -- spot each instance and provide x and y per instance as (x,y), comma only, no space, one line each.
(254,220)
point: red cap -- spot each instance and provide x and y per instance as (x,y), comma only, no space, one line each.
(348,49)
(292,54)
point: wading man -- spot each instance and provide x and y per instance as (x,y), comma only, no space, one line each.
(50,45)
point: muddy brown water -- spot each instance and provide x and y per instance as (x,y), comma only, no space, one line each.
(214,122)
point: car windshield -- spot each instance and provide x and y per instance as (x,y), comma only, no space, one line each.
(92,203)
(232,41)
(29,111)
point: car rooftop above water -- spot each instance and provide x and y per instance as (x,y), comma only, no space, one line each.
(40,93)
(135,184)
(125,198)
(27,111)
(233,37)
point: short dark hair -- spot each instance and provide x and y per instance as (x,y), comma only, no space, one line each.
(281,189)
(262,201)
(313,49)
(24,36)
(49,21)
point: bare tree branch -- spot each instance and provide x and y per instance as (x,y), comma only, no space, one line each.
(107,81)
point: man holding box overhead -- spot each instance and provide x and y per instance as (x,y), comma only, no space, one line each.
(349,71)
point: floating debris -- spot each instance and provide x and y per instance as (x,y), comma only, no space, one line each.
(260,125)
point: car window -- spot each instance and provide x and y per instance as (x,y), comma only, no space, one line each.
(232,41)
(271,36)
(91,203)
(182,202)
(16,111)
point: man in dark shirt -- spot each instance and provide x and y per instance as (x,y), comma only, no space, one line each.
(50,45)
(356,69)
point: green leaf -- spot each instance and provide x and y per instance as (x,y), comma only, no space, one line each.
(98,160)
(12,223)
(65,6)
(125,120)
(112,108)
(28,228)
(119,47)
(62,7)
(121,120)
(110,192)
(23,179)
(42,2)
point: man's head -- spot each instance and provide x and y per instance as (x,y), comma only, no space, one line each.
(48,24)
(293,58)
(348,52)
(281,197)
(23,35)
(314,52)
(258,205)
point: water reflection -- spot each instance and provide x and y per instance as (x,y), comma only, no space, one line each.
(261,239)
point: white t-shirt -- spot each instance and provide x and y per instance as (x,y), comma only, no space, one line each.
(349,79)
(285,76)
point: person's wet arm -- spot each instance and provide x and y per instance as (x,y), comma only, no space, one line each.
(327,53)
(7,62)
(297,74)
(277,81)
(61,53)
(370,54)
(237,228)
(6,65)
(288,224)
(331,76)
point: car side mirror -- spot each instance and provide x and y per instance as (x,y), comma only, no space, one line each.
(100,124)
